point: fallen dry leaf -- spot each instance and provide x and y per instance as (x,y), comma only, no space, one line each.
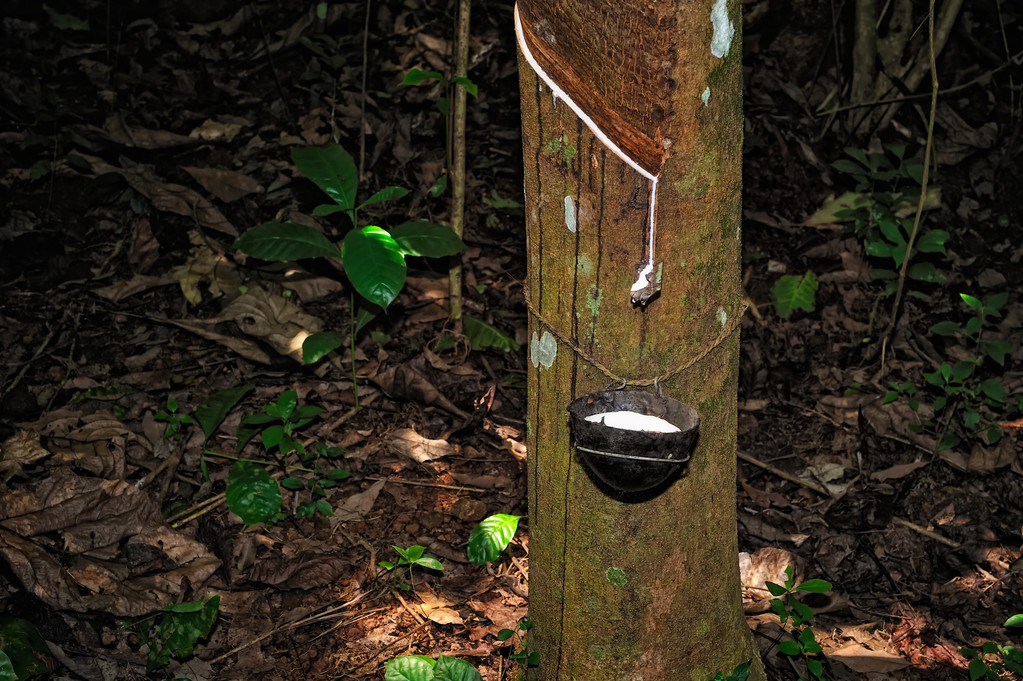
(408,442)
(226,185)
(862,659)
(357,505)
(897,471)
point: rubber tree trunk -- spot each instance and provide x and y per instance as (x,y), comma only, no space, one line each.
(632,135)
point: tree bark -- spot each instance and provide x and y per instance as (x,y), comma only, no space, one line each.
(633,167)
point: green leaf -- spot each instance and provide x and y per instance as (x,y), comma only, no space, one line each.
(453,669)
(412,553)
(789,648)
(286,403)
(859,156)
(490,537)
(385,194)
(817,586)
(276,241)
(374,263)
(915,169)
(1014,621)
(251,425)
(469,86)
(963,370)
(211,413)
(800,611)
(482,335)
(318,345)
(779,609)
(252,494)
(336,474)
(891,231)
(998,300)
(792,292)
(972,301)
(945,328)
(775,589)
(417,76)
(740,673)
(439,185)
(365,315)
(323,210)
(332,169)
(23,649)
(65,22)
(428,239)
(993,388)
(430,562)
(505,634)
(878,248)
(177,632)
(848,167)
(293,483)
(997,350)
(7,672)
(925,271)
(408,668)
(977,669)
(444,106)
(949,441)
(815,667)
(932,241)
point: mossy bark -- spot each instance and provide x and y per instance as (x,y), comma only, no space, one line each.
(620,589)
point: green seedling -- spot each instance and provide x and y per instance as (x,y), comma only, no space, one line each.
(794,614)
(252,493)
(412,556)
(418,76)
(209,415)
(522,654)
(978,401)
(878,211)
(372,258)
(422,668)
(995,662)
(173,419)
(318,482)
(175,631)
(278,424)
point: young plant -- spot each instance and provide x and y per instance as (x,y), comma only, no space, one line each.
(994,661)
(879,209)
(978,400)
(522,654)
(175,631)
(372,257)
(794,614)
(209,415)
(173,419)
(413,555)
(418,76)
(422,668)
(252,493)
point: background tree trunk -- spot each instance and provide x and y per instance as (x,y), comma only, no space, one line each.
(622,588)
